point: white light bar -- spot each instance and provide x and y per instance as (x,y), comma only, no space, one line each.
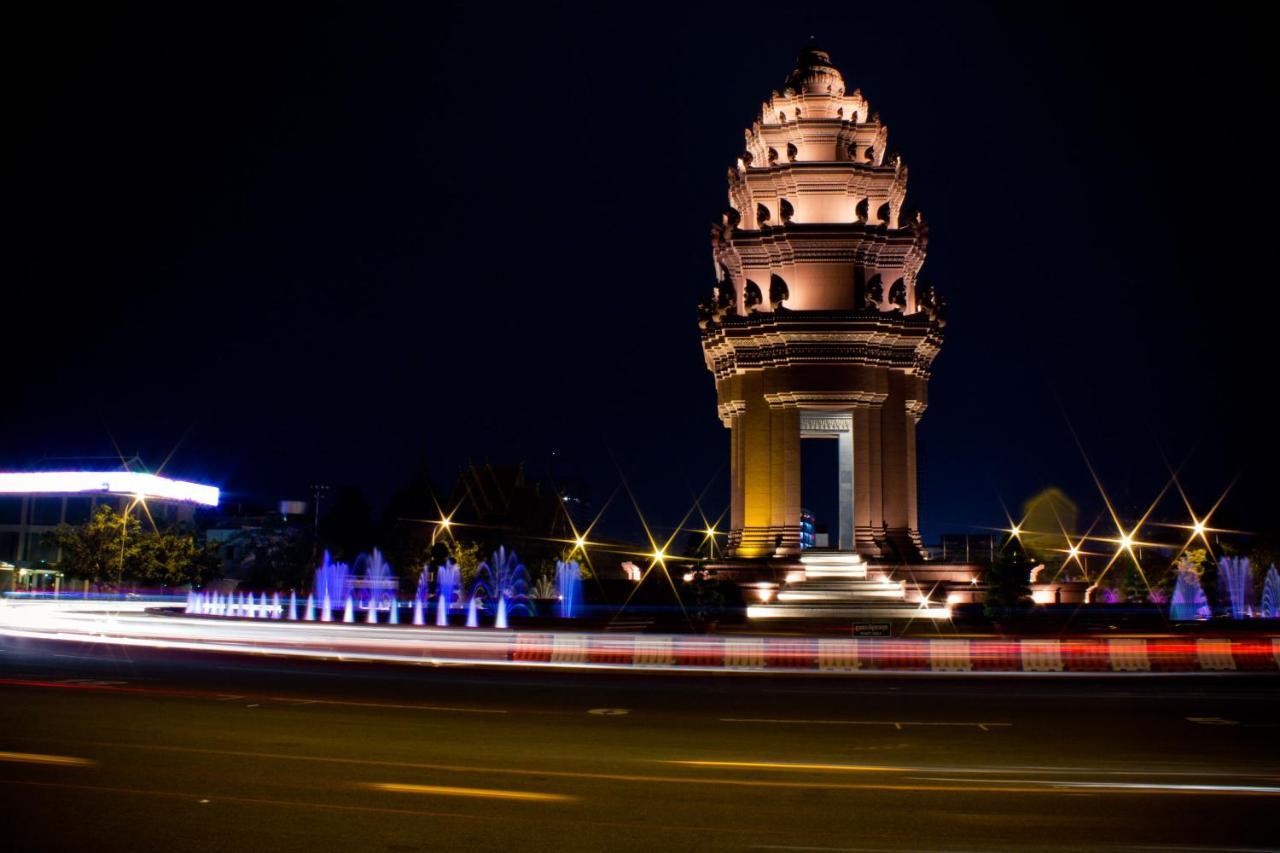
(114,482)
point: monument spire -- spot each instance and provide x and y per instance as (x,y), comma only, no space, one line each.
(819,324)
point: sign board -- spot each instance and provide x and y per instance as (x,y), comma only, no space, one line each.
(871,629)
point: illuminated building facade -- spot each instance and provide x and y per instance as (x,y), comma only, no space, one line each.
(819,325)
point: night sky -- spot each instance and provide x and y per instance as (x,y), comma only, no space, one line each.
(331,242)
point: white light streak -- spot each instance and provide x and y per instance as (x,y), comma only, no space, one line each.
(130,483)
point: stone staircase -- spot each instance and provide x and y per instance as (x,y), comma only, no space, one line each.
(840,585)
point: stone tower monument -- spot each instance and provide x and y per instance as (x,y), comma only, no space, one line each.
(819,325)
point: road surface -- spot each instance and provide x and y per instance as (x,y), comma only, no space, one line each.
(108,748)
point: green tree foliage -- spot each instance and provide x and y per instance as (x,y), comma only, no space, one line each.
(102,550)
(111,548)
(173,558)
(468,556)
(1008,579)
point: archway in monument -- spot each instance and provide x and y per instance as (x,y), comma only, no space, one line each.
(820,484)
(826,471)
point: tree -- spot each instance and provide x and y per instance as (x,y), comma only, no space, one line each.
(102,550)
(1008,579)
(173,558)
(406,527)
(468,556)
(277,555)
(110,548)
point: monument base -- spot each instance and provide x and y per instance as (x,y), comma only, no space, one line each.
(843,585)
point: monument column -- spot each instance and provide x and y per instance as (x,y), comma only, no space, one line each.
(785,476)
(757,464)
(868,498)
(847,480)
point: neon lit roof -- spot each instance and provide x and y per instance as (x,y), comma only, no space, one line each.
(130,483)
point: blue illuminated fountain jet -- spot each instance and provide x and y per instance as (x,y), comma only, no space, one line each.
(448,582)
(569,583)
(1270,604)
(502,586)
(1233,573)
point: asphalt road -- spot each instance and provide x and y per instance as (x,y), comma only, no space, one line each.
(103,748)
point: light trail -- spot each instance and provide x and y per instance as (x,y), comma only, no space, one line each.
(478,793)
(34,758)
(128,624)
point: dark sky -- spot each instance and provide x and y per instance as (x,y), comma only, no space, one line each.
(325,242)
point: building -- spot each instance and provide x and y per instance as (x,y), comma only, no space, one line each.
(33,503)
(819,325)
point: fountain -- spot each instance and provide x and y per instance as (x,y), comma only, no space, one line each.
(1234,574)
(374,581)
(501,620)
(1270,604)
(1188,601)
(293,606)
(448,582)
(349,611)
(417,610)
(424,582)
(473,619)
(569,583)
(394,617)
(332,581)
(503,584)
(326,608)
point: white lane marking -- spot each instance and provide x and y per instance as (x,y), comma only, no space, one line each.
(1213,721)
(897,724)
(609,712)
